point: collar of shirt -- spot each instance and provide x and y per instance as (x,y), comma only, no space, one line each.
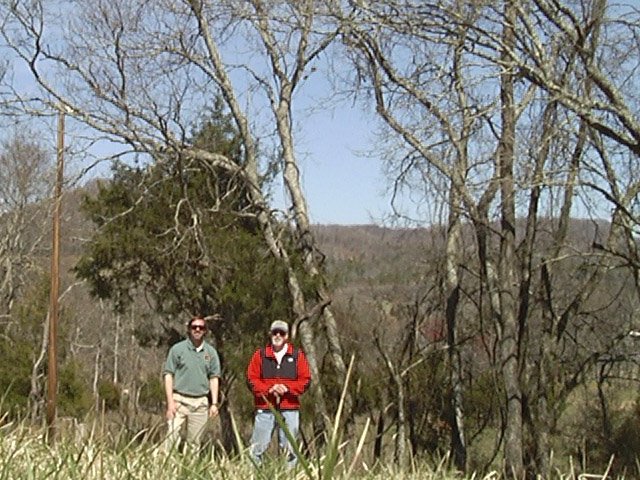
(197,349)
(280,355)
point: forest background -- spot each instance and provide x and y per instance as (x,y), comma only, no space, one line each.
(502,334)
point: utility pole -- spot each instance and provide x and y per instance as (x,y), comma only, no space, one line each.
(52,366)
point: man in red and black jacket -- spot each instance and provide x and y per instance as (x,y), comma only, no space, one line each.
(277,375)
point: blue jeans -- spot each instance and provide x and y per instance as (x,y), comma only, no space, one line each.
(265,422)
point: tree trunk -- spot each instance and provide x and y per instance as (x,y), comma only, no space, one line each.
(400,443)
(401,425)
(452,289)
(306,240)
(378,442)
(36,394)
(116,351)
(96,376)
(458,444)
(507,317)
(250,171)
(229,443)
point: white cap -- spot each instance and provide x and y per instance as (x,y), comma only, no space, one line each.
(279,325)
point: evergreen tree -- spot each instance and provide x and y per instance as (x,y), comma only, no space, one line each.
(182,233)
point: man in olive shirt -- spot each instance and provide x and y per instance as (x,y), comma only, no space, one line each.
(191,373)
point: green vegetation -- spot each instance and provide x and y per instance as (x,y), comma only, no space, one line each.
(178,237)
(15,369)
(74,396)
(25,455)
(109,394)
(181,233)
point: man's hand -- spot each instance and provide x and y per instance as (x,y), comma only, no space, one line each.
(172,407)
(213,410)
(279,389)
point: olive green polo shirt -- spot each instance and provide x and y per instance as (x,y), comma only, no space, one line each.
(192,369)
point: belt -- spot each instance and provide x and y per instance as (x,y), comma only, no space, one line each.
(190,396)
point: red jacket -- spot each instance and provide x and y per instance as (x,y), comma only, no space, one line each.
(264,372)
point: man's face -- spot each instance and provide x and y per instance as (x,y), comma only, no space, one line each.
(197,329)
(278,339)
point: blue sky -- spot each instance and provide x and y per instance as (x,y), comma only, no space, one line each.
(341,185)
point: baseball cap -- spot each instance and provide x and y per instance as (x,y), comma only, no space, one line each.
(279,325)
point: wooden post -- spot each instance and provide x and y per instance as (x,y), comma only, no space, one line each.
(52,366)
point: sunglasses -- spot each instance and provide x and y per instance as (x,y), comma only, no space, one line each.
(198,327)
(282,333)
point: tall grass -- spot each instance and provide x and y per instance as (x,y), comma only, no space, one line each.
(25,454)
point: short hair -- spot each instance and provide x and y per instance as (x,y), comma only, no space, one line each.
(194,318)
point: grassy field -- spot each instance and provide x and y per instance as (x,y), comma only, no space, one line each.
(92,451)
(25,454)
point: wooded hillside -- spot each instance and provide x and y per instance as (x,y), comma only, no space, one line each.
(112,360)
(501,338)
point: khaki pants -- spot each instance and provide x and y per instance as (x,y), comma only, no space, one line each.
(193,410)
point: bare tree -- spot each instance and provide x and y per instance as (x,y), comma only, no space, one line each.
(484,100)
(139,74)
(378,62)
(25,173)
